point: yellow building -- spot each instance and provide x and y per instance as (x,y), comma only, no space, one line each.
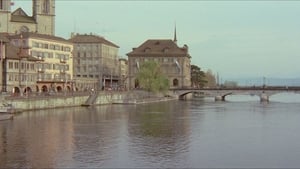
(41,21)
(174,61)
(54,67)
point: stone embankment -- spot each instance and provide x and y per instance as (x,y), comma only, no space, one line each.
(25,103)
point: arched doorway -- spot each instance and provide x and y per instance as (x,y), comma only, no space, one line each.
(27,90)
(136,83)
(175,82)
(16,91)
(44,88)
(59,89)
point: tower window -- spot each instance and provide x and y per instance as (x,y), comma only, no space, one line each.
(46,6)
(1,4)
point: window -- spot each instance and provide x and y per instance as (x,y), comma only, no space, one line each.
(46,6)
(16,65)
(35,44)
(1,4)
(10,65)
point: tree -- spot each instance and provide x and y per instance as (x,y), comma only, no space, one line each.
(197,77)
(211,79)
(151,78)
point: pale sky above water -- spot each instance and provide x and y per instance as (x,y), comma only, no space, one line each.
(232,38)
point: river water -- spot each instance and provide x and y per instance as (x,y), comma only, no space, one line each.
(199,133)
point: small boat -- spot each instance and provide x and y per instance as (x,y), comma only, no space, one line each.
(6,116)
(6,112)
(7,108)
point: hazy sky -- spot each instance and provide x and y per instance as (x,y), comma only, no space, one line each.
(233,38)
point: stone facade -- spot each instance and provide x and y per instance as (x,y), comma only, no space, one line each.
(174,61)
(42,20)
(95,58)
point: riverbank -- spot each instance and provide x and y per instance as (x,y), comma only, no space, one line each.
(27,103)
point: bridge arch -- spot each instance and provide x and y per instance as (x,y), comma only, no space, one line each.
(220,93)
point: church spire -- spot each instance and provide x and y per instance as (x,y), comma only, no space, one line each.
(175,35)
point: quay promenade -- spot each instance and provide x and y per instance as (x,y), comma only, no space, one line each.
(72,99)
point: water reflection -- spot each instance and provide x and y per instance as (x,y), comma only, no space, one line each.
(159,135)
(195,133)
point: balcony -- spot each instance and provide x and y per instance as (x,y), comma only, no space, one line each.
(63,61)
(40,58)
(62,72)
(41,70)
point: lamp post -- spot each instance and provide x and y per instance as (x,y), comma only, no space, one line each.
(264,82)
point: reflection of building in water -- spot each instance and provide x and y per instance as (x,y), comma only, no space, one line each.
(44,134)
(160,128)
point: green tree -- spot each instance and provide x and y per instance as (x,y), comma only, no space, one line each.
(151,78)
(211,79)
(197,77)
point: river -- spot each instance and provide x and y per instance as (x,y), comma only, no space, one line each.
(199,133)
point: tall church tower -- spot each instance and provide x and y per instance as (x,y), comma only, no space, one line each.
(43,11)
(5,11)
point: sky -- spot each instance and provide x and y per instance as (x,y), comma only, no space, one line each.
(235,39)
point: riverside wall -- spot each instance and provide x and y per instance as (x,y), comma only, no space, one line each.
(48,102)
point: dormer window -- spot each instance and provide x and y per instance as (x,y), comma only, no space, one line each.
(147,50)
(165,50)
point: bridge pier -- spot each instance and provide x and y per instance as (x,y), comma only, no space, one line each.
(264,97)
(219,98)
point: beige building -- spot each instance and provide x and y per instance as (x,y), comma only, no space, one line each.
(55,61)
(174,61)
(41,21)
(95,58)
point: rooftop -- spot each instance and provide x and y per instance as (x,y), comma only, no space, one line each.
(85,38)
(159,47)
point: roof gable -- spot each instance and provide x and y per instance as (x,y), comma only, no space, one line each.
(159,47)
(19,12)
(91,39)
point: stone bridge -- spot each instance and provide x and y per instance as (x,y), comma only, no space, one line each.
(220,93)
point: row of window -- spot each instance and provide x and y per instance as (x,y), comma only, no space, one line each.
(91,69)
(24,78)
(159,59)
(24,66)
(43,55)
(50,46)
(87,47)
(90,76)
(50,66)
(166,70)
(48,76)
(31,66)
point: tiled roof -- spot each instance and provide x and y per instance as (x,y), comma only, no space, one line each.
(159,47)
(78,38)
(26,35)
